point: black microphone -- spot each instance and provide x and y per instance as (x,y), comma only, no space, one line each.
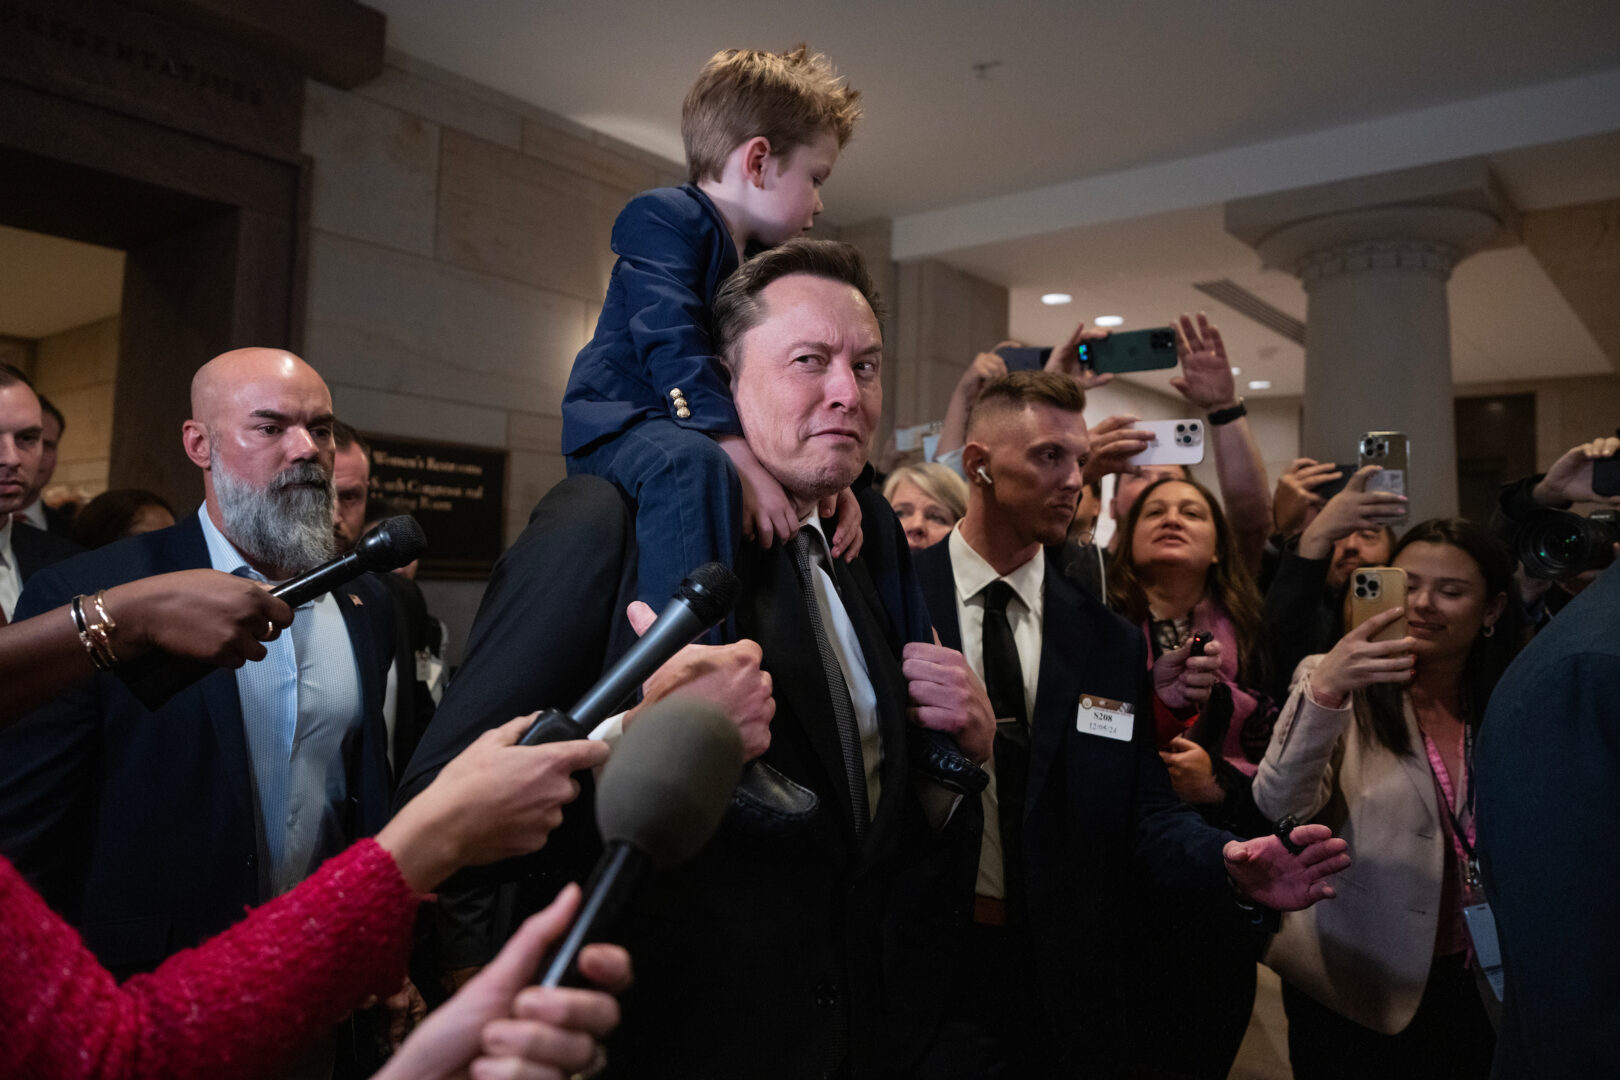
(390,544)
(660,798)
(699,602)
(158,676)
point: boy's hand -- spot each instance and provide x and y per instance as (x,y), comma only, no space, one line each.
(847,538)
(768,516)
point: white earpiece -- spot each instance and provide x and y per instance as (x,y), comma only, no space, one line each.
(982,475)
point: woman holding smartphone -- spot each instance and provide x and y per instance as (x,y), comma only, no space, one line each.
(1375,741)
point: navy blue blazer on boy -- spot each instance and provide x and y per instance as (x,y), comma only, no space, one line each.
(653,337)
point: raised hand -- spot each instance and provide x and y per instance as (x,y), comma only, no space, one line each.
(1266,872)
(728,675)
(1206,373)
(1351,510)
(1357,662)
(1296,502)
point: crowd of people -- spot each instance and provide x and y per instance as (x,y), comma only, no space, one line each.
(1016,803)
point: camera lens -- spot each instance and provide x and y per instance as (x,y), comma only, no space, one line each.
(1558,544)
(1361,591)
(1181,427)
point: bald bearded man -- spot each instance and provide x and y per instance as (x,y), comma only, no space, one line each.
(151,831)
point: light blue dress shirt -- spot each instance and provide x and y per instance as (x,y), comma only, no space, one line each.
(302,715)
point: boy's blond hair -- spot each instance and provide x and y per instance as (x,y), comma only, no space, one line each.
(789,98)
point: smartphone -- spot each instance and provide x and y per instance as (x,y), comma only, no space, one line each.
(1024,358)
(1388,450)
(1374,589)
(1131,350)
(1333,487)
(1174,442)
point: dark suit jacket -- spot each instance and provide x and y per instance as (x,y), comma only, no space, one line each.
(1547,769)
(36,549)
(653,334)
(1098,813)
(137,826)
(764,955)
(415,632)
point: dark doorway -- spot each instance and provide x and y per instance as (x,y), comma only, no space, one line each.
(1496,443)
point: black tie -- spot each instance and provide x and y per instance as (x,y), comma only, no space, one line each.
(1004,682)
(1003,677)
(805,554)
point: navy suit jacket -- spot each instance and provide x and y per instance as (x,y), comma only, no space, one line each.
(653,335)
(1099,814)
(35,549)
(139,826)
(1547,770)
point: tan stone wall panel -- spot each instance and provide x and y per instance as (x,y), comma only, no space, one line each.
(522,218)
(413,93)
(529,476)
(436,417)
(393,322)
(542,434)
(586,158)
(376,169)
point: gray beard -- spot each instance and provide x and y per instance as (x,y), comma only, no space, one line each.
(281,527)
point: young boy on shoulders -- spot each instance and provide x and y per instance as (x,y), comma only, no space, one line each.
(648,403)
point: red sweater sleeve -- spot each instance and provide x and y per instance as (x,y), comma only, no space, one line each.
(234,1007)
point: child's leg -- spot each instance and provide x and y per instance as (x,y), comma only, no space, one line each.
(688,500)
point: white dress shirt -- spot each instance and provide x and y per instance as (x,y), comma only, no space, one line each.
(10,573)
(972,577)
(302,715)
(35,515)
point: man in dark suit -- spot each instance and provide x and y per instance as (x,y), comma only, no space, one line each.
(820,949)
(1080,802)
(417,675)
(57,520)
(24,549)
(152,830)
(1548,776)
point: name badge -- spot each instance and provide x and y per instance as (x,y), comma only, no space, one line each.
(1106,717)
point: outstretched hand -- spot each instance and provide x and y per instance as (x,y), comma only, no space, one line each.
(1265,871)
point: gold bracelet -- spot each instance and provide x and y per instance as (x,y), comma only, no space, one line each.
(84,635)
(101,631)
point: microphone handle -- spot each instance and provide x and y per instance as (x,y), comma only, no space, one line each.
(617,872)
(324,578)
(553,725)
(672,630)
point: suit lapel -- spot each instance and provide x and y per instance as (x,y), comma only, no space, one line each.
(368,775)
(772,613)
(938,580)
(881,652)
(1065,642)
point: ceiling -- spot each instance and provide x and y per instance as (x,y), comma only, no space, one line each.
(1088,148)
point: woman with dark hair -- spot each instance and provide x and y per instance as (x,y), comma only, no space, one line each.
(1376,741)
(1179,571)
(122,512)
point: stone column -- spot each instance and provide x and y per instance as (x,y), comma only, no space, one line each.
(1374,256)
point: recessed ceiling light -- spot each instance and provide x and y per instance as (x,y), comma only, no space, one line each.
(1236,370)
(1109,320)
(1055,298)
(1259,384)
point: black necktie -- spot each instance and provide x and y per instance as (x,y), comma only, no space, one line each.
(1003,677)
(849,733)
(1004,683)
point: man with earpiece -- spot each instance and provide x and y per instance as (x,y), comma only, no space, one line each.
(1079,802)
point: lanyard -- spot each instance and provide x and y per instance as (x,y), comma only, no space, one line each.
(1471,862)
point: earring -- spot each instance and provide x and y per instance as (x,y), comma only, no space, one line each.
(1490,629)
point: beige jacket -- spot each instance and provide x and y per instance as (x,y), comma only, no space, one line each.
(1366,953)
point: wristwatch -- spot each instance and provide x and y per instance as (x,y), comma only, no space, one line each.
(1228,414)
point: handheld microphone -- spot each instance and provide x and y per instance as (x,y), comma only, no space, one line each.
(699,602)
(389,545)
(660,798)
(158,676)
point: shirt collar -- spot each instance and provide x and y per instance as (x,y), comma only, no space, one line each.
(5,539)
(222,554)
(973,574)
